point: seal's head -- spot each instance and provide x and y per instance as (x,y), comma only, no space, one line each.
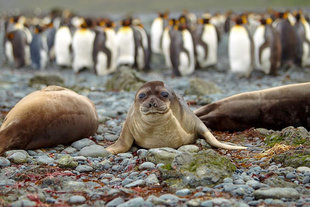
(153,98)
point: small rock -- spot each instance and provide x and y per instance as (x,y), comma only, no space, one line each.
(142,153)
(255,184)
(135,202)
(194,202)
(69,150)
(162,155)
(151,179)
(207,203)
(157,201)
(84,168)
(23,203)
(303,169)
(136,183)
(99,137)
(94,151)
(111,137)
(183,192)
(228,180)
(220,201)
(82,143)
(4,162)
(44,159)
(189,148)
(290,175)
(115,202)
(18,158)
(77,199)
(75,186)
(67,161)
(147,166)
(306,180)
(170,198)
(276,193)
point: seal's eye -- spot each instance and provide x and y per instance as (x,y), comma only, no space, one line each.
(164,94)
(142,95)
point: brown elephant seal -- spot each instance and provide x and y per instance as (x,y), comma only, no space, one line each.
(273,108)
(160,118)
(46,118)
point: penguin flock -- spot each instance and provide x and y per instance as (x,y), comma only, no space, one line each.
(264,41)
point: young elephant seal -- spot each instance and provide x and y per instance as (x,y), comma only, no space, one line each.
(273,108)
(159,118)
(46,118)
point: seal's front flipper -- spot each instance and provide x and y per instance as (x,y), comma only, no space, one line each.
(123,143)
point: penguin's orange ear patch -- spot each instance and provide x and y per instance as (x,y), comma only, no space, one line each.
(10,36)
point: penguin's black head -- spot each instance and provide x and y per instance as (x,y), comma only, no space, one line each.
(109,23)
(88,23)
(298,16)
(205,20)
(14,19)
(161,14)
(239,21)
(263,21)
(126,22)
(38,29)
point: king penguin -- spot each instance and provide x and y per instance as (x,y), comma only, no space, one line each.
(157,29)
(63,45)
(267,47)
(105,51)
(126,43)
(82,46)
(240,49)
(182,52)
(39,49)
(303,36)
(168,35)
(50,33)
(206,43)
(142,48)
(288,39)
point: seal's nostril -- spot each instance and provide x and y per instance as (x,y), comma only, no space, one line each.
(150,105)
(154,104)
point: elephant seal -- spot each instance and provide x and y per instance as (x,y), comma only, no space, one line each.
(46,118)
(160,118)
(273,108)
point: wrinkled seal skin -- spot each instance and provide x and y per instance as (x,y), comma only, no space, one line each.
(159,118)
(273,108)
(46,118)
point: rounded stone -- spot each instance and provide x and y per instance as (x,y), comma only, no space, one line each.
(77,199)
(189,148)
(276,193)
(82,143)
(303,169)
(44,159)
(115,202)
(135,202)
(147,166)
(94,151)
(18,158)
(183,192)
(151,179)
(84,168)
(4,162)
(67,161)
(290,175)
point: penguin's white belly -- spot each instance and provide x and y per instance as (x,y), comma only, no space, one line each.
(156,35)
(126,47)
(63,40)
(102,62)
(82,45)
(266,64)
(43,59)
(210,38)
(166,48)
(187,62)
(27,55)
(305,54)
(9,52)
(239,50)
(112,46)
(258,39)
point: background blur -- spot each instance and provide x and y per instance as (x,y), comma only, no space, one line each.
(127,7)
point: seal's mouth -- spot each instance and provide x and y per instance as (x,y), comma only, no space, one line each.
(153,110)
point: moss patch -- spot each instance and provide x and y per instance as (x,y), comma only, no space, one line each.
(294,158)
(46,80)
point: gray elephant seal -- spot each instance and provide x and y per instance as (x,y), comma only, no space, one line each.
(45,118)
(273,108)
(159,118)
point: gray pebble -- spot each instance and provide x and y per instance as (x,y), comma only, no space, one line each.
(147,166)
(142,153)
(193,202)
(44,159)
(69,150)
(306,180)
(183,192)
(199,194)
(276,193)
(136,183)
(4,162)
(239,181)
(135,202)
(290,175)
(115,202)
(228,180)
(151,179)
(126,181)
(77,199)
(23,203)
(84,168)
(99,137)
(94,151)
(170,198)
(18,158)
(111,137)
(11,152)
(207,203)
(82,143)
